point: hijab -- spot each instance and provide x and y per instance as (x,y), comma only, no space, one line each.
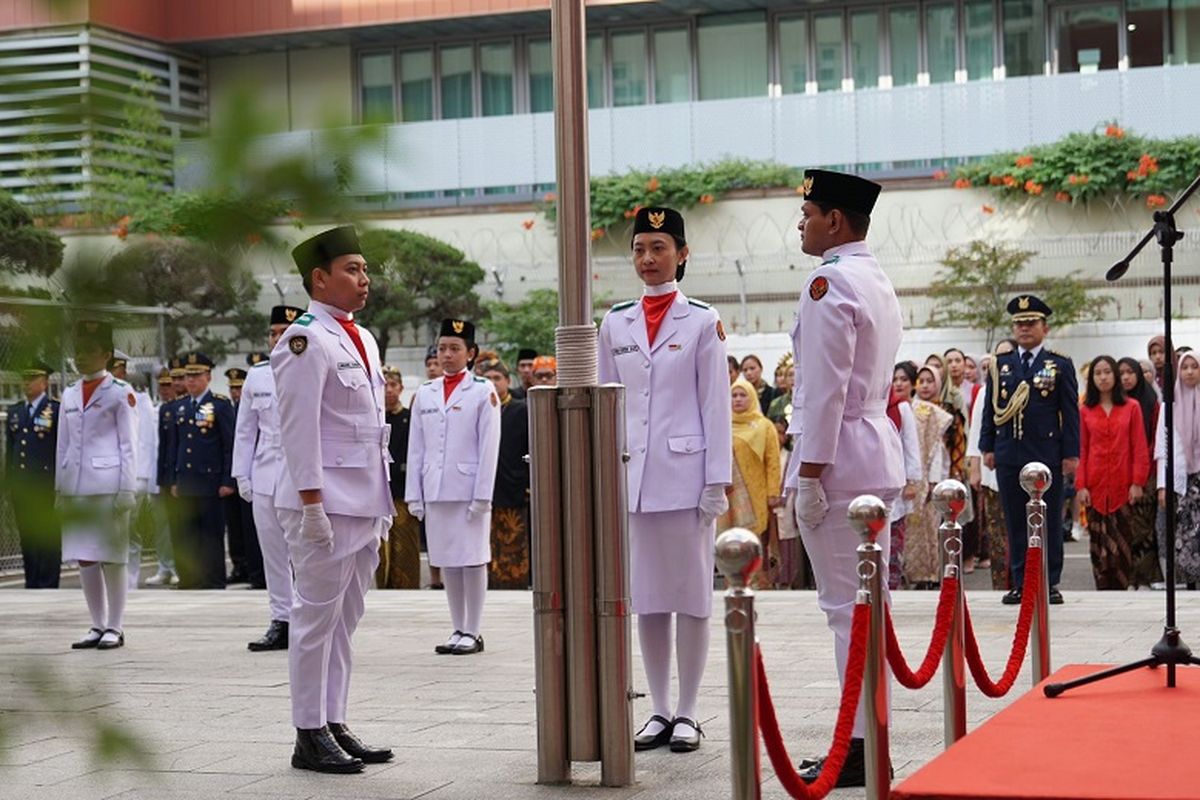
(1161,375)
(747,425)
(937,382)
(1187,417)
(1143,393)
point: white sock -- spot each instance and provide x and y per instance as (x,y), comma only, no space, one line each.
(654,636)
(116,586)
(452,579)
(474,591)
(92,581)
(691,643)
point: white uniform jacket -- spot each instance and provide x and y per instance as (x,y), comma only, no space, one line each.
(677,408)
(257,453)
(97,445)
(453,445)
(331,418)
(845,339)
(147,452)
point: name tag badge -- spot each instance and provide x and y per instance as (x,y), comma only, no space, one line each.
(456,408)
(348,365)
(72,411)
(629,348)
(674,347)
(428,411)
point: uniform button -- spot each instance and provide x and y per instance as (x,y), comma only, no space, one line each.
(22,466)
(645,422)
(338,459)
(189,450)
(189,466)
(646,365)
(646,392)
(22,442)
(641,449)
(688,448)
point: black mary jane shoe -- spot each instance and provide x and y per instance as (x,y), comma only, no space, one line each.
(685,743)
(355,747)
(107,642)
(1013,598)
(317,750)
(650,741)
(90,641)
(469,644)
(276,638)
(447,647)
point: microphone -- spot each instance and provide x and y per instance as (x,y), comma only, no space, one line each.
(1117,270)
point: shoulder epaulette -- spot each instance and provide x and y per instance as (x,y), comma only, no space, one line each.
(427,383)
(1054,352)
(266,363)
(304,319)
(481,380)
(119,382)
(833,260)
(698,303)
(623,305)
(219,396)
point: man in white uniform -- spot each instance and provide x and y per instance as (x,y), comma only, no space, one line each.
(333,496)
(257,460)
(845,339)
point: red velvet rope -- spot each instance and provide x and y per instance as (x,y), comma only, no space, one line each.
(937,643)
(852,690)
(1033,580)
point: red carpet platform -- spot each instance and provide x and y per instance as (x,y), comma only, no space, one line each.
(1106,741)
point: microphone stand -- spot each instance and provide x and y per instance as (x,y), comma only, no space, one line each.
(1169,651)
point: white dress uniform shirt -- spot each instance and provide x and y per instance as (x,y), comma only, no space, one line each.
(453,443)
(987,476)
(257,451)
(670,457)
(147,455)
(910,445)
(97,445)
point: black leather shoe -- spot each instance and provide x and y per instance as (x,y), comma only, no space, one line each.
(1056,598)
(88,642)
(316,749)
(448,646)
(237,576)
(276,638)
(649,741)
(1013,598)
(468,645)
(354,746)
(685,742)
(111,640)
(854,772)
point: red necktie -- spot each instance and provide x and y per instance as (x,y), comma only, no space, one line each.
(450,383)
(88,388)
(349,327)
(655,308)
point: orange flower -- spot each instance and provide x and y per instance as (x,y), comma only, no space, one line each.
(1131,175)
(549,197)
(995,180)
(1156,201)
(652,184)
(1114,132)
(989,210)
(122,229)
(1084,179)
(527,224)
(706,199)
(1009,180)
(1147,165)
(1024,161)
(962,183)
(630,214)
(940,175)
(597,234)
(1032,187)
(1062,197)
(253,239)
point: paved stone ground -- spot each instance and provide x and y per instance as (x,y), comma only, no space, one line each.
(214,717)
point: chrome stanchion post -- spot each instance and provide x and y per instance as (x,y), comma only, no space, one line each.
(739,555)
(1035,480)
(869,517)
(950,498)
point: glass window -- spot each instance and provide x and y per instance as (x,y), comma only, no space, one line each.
(827,40)
(904,44)
(864,48)
(541,76)
(1145,25)
(793,54)
(457,83)
(378,88)
(629,68)
(980,39)
(1185,27)
(1024,51)
(941,41)
(595,71)
(672,66)
(416,85)
(732,55)
(1087,38)
(496,78)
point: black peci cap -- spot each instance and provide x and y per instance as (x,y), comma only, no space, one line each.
(324,247)
(841,190)
(458,327)
(285,315)
(94,332)
(659,219)
(526,354)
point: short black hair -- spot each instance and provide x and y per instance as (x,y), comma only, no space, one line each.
(859,222)
(307,278)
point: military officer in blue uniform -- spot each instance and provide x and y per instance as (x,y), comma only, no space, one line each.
(1031,413)
(203,455)
(31,436)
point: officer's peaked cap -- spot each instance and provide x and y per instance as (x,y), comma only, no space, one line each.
(1028,308)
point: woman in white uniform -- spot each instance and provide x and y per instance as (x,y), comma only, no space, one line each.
(669,352)
(453,448)
(96,480)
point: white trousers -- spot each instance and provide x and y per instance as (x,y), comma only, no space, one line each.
(277,568)
(831,548)
(330,596)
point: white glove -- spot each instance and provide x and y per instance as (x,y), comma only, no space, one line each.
(315,527)
(387,523)
(811,505)
(417,509)
(142,487)
(478,508)
(244,489)
(124,501)
(713,503)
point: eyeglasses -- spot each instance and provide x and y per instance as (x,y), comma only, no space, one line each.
(544,375)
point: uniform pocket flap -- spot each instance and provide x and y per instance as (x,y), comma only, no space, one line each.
(105,462)
(468,468)
(258,403)
(343,454)
(686,444)
(352,378)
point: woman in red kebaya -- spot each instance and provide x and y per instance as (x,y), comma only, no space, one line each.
(1114,463)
